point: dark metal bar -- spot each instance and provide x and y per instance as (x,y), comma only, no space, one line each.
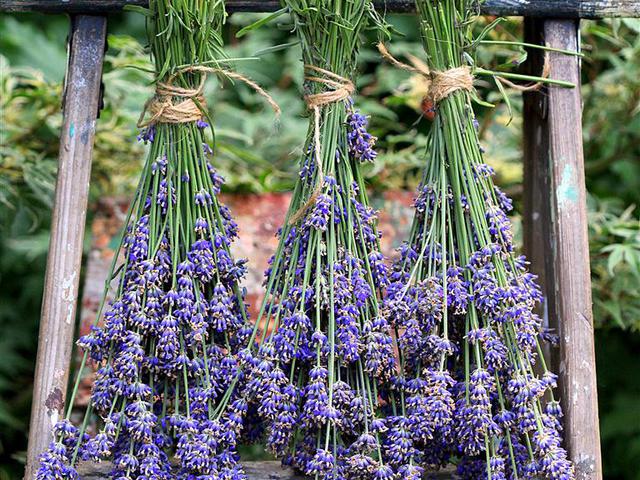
(529,8)
(57,323)
(556,237)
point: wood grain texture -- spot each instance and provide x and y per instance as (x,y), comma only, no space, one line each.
(563,8)
(255,471)
(57,323)
(556,239)
(532,8)
(572,274)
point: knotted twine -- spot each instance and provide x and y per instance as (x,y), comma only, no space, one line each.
(340,89)
(162,108)
(441,84)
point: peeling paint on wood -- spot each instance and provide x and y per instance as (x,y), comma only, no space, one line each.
(69,294)
(585,467)
(55,400)
(567,192)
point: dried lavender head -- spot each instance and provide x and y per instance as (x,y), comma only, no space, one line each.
(320,327)
(465,306)
(166,349)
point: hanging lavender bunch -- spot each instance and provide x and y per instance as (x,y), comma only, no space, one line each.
(326,358)
(165,351)
(464,303)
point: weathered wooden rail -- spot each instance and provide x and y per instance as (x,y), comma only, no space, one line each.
(529,8)
(254,470)
(555,222)
(555,209)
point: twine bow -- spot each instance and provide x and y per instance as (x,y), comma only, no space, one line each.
(162,108)
(443,84)
(340,89)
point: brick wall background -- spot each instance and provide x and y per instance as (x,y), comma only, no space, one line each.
(258,218)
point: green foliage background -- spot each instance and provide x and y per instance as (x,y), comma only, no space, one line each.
(254,156)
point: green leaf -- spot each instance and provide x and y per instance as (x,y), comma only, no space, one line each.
(615,310)
(275,48)
(488,29)
(263,21)
(505,97)
(479,101)
(137,9)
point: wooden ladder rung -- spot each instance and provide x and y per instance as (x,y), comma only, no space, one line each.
(265,470)
(531,8)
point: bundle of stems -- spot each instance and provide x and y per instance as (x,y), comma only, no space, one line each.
(478,392)
(165,349)
(325,360)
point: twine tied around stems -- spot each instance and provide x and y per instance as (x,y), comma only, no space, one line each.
(443,84)
(340,89)
(162,108)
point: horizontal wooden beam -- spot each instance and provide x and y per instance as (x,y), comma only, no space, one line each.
(528,8)
(267,470)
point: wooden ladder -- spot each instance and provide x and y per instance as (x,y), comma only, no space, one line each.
(555,217)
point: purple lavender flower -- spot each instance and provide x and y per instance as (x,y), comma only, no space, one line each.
(399,449)
(430,408)
(202,124)
(320,212)
(361,142)
(474,421)
(147,135)
(323,462)
(378,349)
(315,410)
